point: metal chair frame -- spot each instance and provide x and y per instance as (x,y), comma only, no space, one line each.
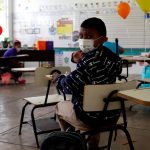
(45,104)
(112,128)
(108,100)
(36,132)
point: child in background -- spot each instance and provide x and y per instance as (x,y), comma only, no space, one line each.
(13,63)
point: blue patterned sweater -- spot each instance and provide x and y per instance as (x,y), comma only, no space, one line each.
(100,66)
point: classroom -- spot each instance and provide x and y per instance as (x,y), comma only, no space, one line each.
(74,68)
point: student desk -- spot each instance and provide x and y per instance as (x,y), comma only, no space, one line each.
(129,60)
(144,81)
(140,96)
(41,125)
(5,60)
(29,69)
(134,59)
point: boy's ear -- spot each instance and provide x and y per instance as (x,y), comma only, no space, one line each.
(105,39)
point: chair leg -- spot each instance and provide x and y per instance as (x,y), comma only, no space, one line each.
(110,139)
(22,117)
(34,126)
(127,135)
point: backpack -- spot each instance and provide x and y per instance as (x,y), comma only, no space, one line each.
(62,140)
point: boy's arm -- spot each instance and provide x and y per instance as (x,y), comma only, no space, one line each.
(74,82)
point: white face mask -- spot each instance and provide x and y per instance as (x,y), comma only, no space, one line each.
(87,45)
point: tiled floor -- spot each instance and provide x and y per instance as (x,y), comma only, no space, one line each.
(10,110)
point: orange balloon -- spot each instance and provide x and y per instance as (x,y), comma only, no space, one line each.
(123,9)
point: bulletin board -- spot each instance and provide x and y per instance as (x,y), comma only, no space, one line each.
(59,21)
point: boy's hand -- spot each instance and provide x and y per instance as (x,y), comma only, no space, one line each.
(76,56)
(55,77)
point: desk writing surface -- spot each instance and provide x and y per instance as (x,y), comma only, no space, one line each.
(140,96)
(29,69)
(22,55)
(8,60)
(49,77)
(14,57)
(136,58)
(146,80)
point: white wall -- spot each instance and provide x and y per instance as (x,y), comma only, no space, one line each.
(134,69)
(10,17)
(132,32)
(36,14)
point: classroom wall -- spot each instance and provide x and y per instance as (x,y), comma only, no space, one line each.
(38,19)
(43,19)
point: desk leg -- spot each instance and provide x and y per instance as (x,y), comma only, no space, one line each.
(127,66)
(47,92)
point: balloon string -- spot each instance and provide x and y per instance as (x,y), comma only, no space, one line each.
(127,32)
(145,21)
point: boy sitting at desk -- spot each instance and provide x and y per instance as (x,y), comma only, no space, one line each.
(98,65)
(13,63)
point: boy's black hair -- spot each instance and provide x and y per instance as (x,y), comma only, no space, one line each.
(95,23)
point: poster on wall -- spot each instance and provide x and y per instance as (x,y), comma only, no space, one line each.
(1,5)
(63,58)
(58,58)
(52,30)
(64,26)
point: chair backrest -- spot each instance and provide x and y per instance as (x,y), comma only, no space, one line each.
(40,73)
(95,94)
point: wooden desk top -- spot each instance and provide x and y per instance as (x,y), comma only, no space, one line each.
(35,55)
(49,77)
(22,55)
(140,96)
(15,57)
(29,69)
(136,58)
(6,60)
(144,80)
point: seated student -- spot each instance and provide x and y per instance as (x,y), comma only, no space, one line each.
(14,50)
(13,63)
(97,66)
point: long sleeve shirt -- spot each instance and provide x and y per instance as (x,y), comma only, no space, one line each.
(100,66)
(10,52)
